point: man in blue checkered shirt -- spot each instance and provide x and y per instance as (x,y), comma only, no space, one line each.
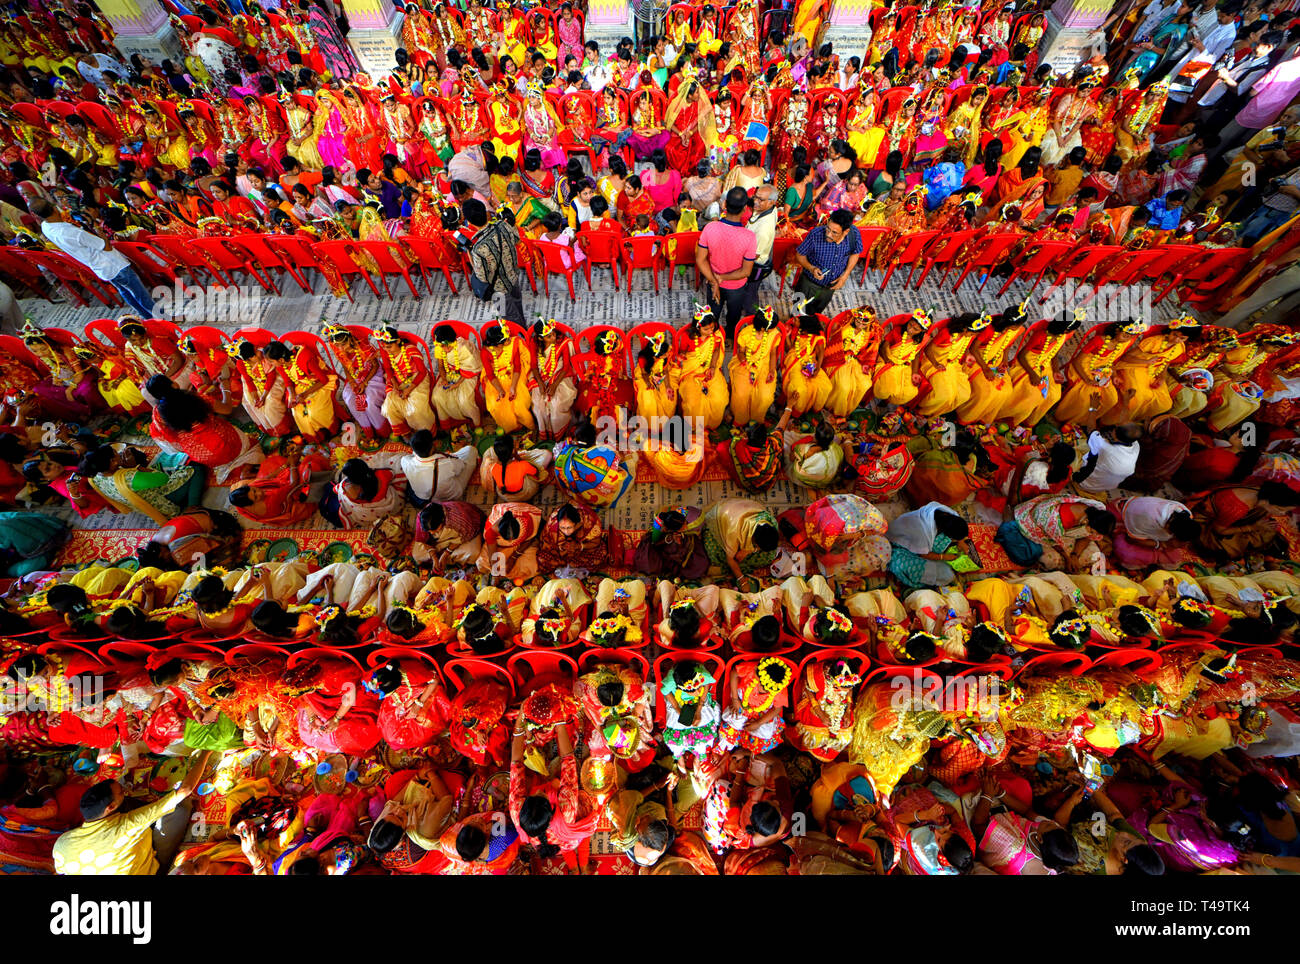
(828,255)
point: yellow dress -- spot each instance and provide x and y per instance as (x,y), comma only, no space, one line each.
(674,469)
(988,398)
(1027,404)
(851,381)
(1238,365)
(125,395)
(863,135)
(1076,401)
(1035,122)
(806,392)
(656,395)
(753,381)
(508,130)
(693,368)
(893,378)
(1144,372)
(508,360)
(950,387)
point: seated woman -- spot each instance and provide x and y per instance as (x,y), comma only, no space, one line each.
(514,476)
(923,542)
(335,714)
(219,610)
(1058,532)
(679,456)
(448,535)
(674,545)
(413,703)
(198,537)
(183,422)
(509,542)
(941,472)
(1152,531)
(757,695)
(846,535)
(740,536)
(691,712)
(574,538)
(53,476)
(277,496)
(596,474)
(754,460)
(67,390)
(1024,473)
(814,461)
(556,614)
(823,711)
(363,495)
(309,389)
(1239,520)
(690,615)
(155,492)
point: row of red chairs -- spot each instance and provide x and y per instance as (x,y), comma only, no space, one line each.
(1195,272)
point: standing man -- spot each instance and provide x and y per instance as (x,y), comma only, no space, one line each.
(763,224)
(828,255)
(92,251)
(494,261)
(725,257)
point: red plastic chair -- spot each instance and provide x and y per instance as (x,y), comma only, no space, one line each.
(1042,257)
(711,661)
(73,273)
(1200,282)
(461,672)
(683,254)
(312,342)
(150,264)
(258,250)
(462,329)
(190,257)
(553,255)
(230,258)
(602,247)
(436,255)
(989,253)
(1141,662)
(383,654)
(942,252)
(107,331)
(587,339)
(391,259)
(339,255)
(628,657)
(907,251)
(641,253)
(1079,264)
(261,337)
(197,651)
(1071,663)
(121,653)
(1132,267)
(531,664)
(296,255)
(641,333)
(782,257)
(19,268)
(322,652)
(256,653)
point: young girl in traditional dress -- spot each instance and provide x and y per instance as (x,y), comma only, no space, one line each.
(362,375)
(604,387)
(406,406)
(309,388)
(699,376)
(552,386)
(456,371)
(508,368)
(896,380)
(755,362)
(851,358)
(656,393)
(807,386)
(263,389)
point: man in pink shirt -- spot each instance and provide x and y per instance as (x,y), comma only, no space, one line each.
(725,256)
(1269,96)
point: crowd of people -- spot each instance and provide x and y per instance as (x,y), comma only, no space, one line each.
(1033,612)
(946,120)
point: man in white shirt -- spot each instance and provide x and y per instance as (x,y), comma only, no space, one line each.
(92,251)
(763,223)
(1153,521)
(434,476)
(1110,460)
(1209,40)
